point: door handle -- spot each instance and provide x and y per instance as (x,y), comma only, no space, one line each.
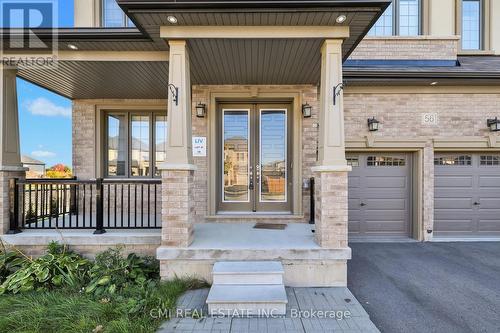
(362,204)
(477,203)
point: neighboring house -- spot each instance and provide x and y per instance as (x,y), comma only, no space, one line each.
(427,70)
(36,168)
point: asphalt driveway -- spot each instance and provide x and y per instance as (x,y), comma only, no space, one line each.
(428,287)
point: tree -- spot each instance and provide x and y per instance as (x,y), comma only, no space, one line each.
(59,171)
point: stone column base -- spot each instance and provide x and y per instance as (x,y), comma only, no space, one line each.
(177,207)
(6,174)
(331,207)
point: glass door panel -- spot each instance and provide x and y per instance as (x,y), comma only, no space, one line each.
(273,161)
(236,153)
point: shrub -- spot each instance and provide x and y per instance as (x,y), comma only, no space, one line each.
(111,271)
(10,262)
(57,268)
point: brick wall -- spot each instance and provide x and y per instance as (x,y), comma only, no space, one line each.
(459,115)
(421,48)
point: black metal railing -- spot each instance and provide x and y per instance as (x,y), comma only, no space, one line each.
(98,204)
(312,211)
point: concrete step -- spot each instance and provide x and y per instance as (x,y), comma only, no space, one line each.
(248,272)
(247,300)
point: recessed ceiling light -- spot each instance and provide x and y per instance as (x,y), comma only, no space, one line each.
(172,19)
(434,83)
(72,46)
(341,19)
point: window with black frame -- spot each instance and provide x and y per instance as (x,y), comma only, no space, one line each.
(401,18)
(113,16)
(135,143)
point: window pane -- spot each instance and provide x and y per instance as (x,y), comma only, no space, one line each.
(409,17)
(160,141)
(117,145)
(383,27)
(235,156)
(130,23)
(471,22)
(113,15)
(273,156)
(140,146)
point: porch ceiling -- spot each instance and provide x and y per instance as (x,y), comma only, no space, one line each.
(103,79)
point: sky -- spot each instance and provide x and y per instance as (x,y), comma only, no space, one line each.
(45,117)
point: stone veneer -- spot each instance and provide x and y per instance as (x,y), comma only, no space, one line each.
(177,207)
(409,48)
(5,177)
(331,209)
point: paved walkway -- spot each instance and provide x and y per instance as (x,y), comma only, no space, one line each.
(341,313)
(428,287)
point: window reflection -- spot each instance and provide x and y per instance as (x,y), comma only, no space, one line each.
(113,16)
(471,18)
(235,156)
(140,165)
(160,141)
(273,155)
(117,145)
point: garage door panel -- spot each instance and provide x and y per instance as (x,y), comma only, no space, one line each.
(379,194)
(386,204)
(453,181)
(453,203)
(490,181)
(385,182)
(375,226)
(489,225)
(456,225)
(467,197)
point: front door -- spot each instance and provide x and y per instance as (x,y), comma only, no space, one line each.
(255,170)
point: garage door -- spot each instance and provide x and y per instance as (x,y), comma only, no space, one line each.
(379,195)
(467,195)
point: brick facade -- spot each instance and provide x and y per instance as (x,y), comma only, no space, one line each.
(460,114)
(5,199)
(411,48)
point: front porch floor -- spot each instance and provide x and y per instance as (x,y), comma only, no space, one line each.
(305,262)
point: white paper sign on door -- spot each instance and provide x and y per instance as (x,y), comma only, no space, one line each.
(199,146)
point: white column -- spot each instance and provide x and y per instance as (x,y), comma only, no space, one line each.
(331,117)
(331,172)
(10,154)
(179,152)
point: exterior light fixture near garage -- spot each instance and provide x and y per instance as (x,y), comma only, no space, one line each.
(373,124)
(435,83)
(341,19)
(201,110)
(306,110)
(172,19)
(494,124)
(72,47)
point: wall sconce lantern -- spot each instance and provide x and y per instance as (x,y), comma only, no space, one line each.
(306,110)
(175,93)
(337,90)
(201,110)
(373,124)
(494,124)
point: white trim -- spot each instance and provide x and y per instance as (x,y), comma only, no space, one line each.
(13,168)
(248,152)
(286,156)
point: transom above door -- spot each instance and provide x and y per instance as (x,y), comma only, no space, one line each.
(254,164)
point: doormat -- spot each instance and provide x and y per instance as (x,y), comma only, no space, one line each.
(271,226)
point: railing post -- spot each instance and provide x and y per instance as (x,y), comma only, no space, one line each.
(14,207)
(311,198)
(99,203)
(73,203)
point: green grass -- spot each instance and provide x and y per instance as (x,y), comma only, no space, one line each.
(70,311)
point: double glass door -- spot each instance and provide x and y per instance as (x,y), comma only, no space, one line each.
(254,164)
